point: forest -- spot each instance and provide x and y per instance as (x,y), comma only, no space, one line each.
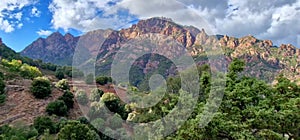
(250,108)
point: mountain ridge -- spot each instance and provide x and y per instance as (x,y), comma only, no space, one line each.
(262,56)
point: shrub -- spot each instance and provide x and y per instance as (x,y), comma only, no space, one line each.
(115,121)
(97,110)
(1,76)
(18,132)
(89,79)
(2,87)
(41,87)
(15,65)
(98,123)
(102,80)
(96,95)
(67,97)
(63,84)
(30,72)
(2,98)
(75,130)
(81,97)
(58,108)
(43,123)
(59,74)
(114,104)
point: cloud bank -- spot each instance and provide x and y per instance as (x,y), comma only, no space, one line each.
(11,14)
(44,32)
(276,20)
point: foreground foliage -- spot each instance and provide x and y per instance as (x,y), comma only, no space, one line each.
(41,87)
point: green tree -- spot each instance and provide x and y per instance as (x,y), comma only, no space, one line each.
(2,99)
(17,132)
(2,86)
(63,84)
(74,130)
(89,79)
(97,110)
(115,121)
(81,97)
(58,108)
(68,99)
(96,95)
(41,87)
(43,123)
(2,90)
(103,80)
(114,104)
(59,74)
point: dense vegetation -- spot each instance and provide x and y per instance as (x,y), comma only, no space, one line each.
(41,87)
(250,109)
(23,69)
(2,89)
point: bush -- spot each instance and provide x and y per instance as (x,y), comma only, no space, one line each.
(2,98)
(96,95)
(75,130)
(15,65)
(2,87)
(59,74)
(114,104)
(41,87)
(30,72)
(102,80)
(98,123)
(21,132)
(58,108)
(89,79)
(43,123)
(63,84)
(81,97)
(97,110)
(115,121)
(1,76)
(67,97)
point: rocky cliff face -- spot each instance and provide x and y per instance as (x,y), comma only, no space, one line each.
(56,49)
(263,58)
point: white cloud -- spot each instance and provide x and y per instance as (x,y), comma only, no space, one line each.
(6,26)
(11,14)
(35,12)
(84,15)
(277,20)
(44,32)
(20,25)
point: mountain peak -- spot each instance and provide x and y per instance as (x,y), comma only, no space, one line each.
(1,41)
(68,35)
(55,35)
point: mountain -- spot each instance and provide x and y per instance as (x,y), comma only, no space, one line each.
(263,59)
(56,48)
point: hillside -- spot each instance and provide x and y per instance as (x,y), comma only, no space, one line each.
(263,59)
(250,109)
(56,48)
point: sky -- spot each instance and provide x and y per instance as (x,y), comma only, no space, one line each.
(23,21)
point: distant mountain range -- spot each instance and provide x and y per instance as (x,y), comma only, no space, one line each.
(263,59)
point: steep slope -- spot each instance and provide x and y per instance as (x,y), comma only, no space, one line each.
(7,53)
(56,48)
(263,59)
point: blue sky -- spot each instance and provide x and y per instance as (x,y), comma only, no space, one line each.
(23,21)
